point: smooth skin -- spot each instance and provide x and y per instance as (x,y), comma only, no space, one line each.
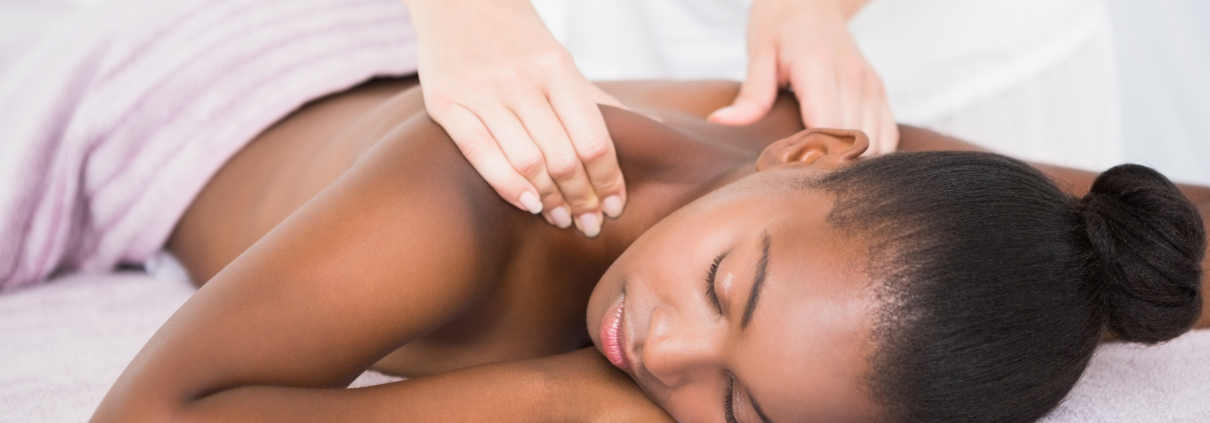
(354,235)
(523,115)
(805,46)
(526,118)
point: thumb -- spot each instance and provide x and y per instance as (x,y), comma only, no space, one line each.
(755,97)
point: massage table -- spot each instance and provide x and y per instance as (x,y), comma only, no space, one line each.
(62,345)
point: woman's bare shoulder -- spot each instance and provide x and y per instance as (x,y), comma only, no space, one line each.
(398,245)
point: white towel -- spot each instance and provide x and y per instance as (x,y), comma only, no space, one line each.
(64,343)
(117,120)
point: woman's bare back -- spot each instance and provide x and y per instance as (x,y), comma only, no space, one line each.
(354,230)
(536,307)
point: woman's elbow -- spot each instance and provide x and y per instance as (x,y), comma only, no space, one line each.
(126,406)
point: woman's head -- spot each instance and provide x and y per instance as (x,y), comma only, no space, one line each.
(995,286)
(913,287)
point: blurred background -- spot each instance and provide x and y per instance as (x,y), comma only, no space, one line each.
(1163,57)
(1164,65)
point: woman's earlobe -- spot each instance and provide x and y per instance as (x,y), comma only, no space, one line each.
(829,147)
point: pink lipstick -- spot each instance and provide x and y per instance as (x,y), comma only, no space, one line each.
(613,337)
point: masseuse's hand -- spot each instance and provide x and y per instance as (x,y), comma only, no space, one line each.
(512,99)
(805,45)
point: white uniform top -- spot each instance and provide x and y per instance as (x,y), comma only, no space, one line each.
(936,57)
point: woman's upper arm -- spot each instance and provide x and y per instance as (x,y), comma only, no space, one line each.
(390,251)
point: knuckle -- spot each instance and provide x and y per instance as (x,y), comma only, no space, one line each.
(439,106)
(508,75)
(853,75)
(473,148)
(611,185)
(594,149)
(528,165)
(563,167)
(554,61)
(582,203)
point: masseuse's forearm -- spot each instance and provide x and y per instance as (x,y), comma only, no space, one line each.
(522,391)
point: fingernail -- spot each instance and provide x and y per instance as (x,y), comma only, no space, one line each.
(531,203)
(561,217)
(612,206)
(589,224)
(718,112)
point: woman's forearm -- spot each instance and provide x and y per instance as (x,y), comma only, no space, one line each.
(521,391)
(503,392)
(580,386)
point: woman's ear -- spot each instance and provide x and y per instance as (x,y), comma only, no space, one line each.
(826,147)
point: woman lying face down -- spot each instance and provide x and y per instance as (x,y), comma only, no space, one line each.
(914,287)
(759,274)
(747,304)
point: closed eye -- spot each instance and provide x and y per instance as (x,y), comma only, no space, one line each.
(710,283)
(728,402)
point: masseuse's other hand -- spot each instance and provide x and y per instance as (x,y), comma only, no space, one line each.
(512,99)
(805,45)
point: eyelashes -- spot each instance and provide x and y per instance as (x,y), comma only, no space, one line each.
(728,409)
(710,284)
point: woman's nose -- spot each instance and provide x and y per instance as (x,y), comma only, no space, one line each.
(677,347)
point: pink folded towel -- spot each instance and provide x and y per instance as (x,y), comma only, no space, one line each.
(111,126)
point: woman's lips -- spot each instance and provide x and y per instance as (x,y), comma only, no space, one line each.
(613,337)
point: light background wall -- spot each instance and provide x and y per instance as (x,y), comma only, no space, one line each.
(1163,53)
(1164,65)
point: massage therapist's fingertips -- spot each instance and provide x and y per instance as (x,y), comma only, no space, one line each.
(720,115)
(531,202)
(589,224)
(736,115)
(612,206)
(561,217)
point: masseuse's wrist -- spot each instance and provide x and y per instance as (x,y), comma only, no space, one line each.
(817,10)
(845,8)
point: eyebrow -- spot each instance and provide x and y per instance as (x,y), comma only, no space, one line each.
(762,269)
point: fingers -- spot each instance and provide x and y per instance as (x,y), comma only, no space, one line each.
(756,94)
(580,116)
(868,112)
(848,97)
(539,156)
(527,159)
(563,165)
(486,156)
(889,134)
(817,88)
(876,118)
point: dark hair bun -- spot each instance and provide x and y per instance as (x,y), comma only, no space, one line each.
(1148,242)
